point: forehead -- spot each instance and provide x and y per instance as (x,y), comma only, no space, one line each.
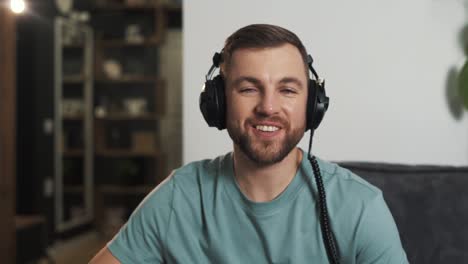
(272,63)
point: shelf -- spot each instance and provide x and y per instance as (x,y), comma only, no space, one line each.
(121,7)
(73,153)
(118,189)
(119,43)
(73,78)
(114,6)
(129,79)
(72,118)
(124,153)
(173,7)
(73,189)
(25,221)
(74,46)
(129,117)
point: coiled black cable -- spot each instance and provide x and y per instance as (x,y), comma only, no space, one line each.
(327,233)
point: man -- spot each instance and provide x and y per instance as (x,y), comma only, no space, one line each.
(259,204)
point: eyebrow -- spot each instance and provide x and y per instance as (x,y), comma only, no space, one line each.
(249,79)
(256,81)
(291,80)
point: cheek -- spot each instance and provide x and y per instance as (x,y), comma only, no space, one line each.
(234,112)
(297,113)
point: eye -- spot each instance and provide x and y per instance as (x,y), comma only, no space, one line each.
(247,90)
(288,91)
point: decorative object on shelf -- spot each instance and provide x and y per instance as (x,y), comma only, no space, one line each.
(133,34)
(100,111)
(102,108)
(143,142)
(135,106)
(112,69)
(64,6)
(72,108)
(72,35)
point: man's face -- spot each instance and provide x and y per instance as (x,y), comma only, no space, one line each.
(266,92)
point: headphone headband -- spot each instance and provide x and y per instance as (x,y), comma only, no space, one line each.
(217,57)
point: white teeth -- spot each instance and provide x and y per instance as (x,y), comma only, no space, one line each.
(267,128)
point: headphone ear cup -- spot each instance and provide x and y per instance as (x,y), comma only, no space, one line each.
(317,104)
(311,103)
(212,103)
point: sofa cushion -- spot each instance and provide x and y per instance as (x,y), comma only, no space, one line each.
(430,207)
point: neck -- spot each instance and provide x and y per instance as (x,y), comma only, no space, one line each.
(264,183)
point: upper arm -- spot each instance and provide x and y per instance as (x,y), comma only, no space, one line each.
(104,256)
(141,239)
(378,237)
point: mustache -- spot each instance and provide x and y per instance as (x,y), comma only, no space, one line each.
(275,119)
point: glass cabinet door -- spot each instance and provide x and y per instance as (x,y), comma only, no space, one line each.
(73,135)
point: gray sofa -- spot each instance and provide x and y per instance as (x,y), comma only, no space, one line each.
(430,207)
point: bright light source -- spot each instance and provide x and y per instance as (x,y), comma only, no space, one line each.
(17,6)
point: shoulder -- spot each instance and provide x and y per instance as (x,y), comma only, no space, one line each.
(205,166)
(184,186)
(345,184)
(192,179)
(202,170)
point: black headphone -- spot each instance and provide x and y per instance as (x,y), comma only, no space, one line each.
(213,101)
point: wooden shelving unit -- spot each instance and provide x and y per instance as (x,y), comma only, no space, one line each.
(138,159)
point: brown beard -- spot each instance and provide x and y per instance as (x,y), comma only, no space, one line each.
(266,152)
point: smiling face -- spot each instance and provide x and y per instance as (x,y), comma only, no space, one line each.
(266,97)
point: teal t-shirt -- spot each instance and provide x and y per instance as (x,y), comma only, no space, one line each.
(199,215)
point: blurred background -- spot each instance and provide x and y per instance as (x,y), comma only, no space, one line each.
(97,105)
(98,118)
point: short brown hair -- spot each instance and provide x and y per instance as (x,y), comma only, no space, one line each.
(261,36)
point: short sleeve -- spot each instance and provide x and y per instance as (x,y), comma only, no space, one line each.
(141,239)
(378,238)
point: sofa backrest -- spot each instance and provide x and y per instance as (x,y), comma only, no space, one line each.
(430,207)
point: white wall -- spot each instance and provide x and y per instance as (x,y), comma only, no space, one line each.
(385,63)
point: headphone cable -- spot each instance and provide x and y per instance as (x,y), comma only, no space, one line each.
(327,233)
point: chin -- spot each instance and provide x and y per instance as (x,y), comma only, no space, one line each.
(266,153)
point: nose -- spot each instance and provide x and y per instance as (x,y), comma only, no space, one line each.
(268,104)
